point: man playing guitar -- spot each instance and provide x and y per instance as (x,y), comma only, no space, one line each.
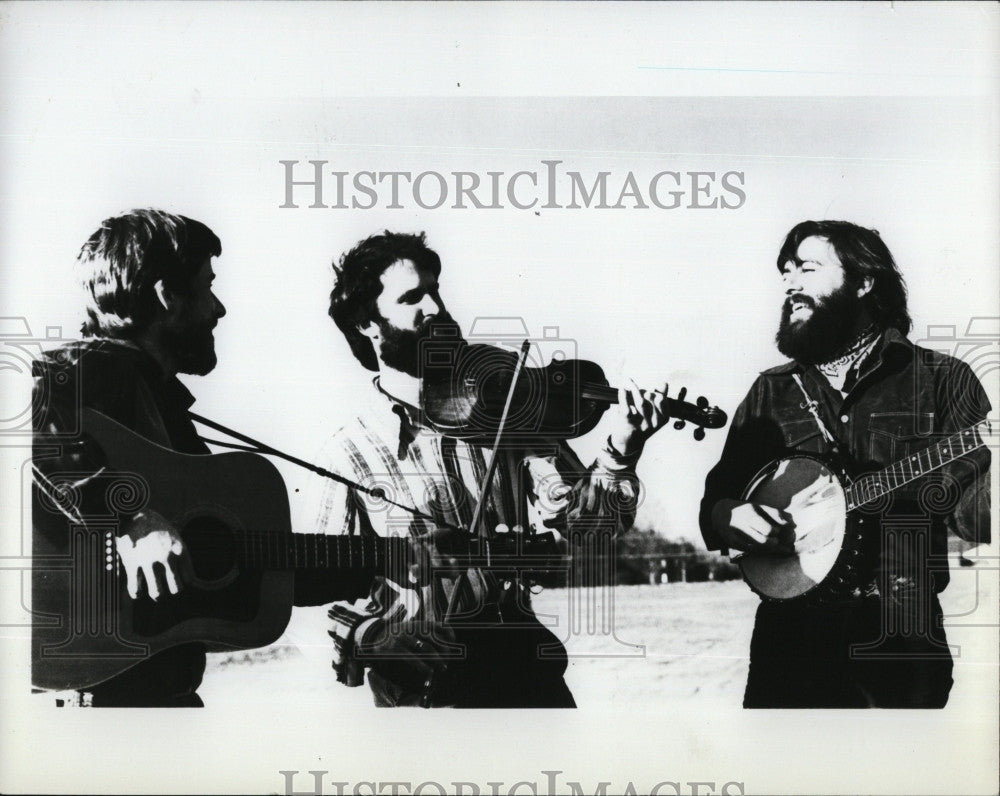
(150,313)
(858,390)
(465,639)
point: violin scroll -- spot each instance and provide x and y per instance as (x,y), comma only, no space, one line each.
(699,413)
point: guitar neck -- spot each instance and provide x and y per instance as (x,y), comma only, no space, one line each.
(298,551)
(872,486)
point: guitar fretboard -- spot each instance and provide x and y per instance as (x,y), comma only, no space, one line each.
(266,550)
(872,486)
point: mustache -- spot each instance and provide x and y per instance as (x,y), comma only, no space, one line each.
(440,321)
(800,298)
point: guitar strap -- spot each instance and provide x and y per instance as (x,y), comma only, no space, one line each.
(255,446)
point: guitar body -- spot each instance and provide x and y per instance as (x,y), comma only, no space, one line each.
(86,629)
(825,543)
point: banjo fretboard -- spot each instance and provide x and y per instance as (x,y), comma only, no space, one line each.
(872,486)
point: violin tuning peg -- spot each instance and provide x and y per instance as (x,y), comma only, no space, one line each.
(702,402)
(679,425)
(699,433)
(682,393)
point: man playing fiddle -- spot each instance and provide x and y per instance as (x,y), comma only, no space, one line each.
(477,649)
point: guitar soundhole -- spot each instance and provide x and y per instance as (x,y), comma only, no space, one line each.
(212,545)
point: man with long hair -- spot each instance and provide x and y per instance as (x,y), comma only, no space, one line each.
(877,641)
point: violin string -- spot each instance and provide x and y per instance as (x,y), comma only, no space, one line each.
(231,445)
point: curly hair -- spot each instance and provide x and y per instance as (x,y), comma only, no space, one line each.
(358,284)
(863,253)
(122,261)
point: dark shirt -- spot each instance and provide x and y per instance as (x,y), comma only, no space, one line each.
(906,398)
(123,382)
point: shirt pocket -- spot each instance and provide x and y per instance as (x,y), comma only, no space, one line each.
(802,435)
(895,435)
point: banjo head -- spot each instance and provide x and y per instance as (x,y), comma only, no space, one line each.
(819,530)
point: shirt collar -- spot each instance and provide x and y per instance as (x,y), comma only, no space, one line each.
(891,345)
(397,415)
(387,399)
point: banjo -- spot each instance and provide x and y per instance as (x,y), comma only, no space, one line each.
(820,500)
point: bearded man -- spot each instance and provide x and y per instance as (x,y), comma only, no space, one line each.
(150,314)
(459,640)
(880,642)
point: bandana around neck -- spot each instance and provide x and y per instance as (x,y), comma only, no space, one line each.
(849,361)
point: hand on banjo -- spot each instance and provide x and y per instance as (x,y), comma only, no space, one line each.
(745,525)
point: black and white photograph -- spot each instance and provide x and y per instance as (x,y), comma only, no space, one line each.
(499,398)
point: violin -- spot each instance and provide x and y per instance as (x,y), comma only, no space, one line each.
(466,388)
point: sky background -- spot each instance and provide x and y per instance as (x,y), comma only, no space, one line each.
(686,296)
(881,114)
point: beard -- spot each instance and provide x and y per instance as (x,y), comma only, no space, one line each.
(830,328)
(192,346)
(407,350)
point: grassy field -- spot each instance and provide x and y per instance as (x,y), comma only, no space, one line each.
(631,645)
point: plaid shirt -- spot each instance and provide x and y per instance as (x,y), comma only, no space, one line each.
(543,485)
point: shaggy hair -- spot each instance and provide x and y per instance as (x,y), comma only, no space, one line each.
(358,284)
(862,253)
(122,261)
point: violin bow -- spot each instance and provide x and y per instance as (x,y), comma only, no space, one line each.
(476,525)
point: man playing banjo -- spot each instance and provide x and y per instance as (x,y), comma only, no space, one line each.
(859,394)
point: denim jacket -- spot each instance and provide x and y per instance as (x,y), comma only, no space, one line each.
(906,398)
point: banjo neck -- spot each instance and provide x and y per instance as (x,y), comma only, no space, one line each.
(872,486)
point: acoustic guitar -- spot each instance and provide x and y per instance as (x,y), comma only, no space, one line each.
(232,512)
(828,534)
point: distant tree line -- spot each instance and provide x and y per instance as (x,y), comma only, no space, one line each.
(644,556)
(640,556)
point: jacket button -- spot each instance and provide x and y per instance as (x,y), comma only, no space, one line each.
(844,418)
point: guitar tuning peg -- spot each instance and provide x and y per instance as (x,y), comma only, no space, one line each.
(699,433)
(702,402)
(679,425)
